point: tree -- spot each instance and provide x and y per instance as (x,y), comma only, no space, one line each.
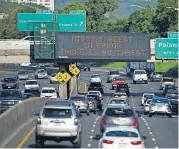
(166,19)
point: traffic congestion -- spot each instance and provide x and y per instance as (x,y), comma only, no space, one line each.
(114,103)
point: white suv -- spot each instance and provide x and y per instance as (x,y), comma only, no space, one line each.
(31,84)
(48,92)
(58,121)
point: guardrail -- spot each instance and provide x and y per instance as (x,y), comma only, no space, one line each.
(16,118)
(15,67)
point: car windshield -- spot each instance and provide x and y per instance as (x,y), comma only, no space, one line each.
(148,96)
(121,133)
(172,91)
(42,71)
(169,86)
(10,80)
(167,80)
(95,85)
(117,78)
(48,91)
(160,101)
(173,101)
(114,73)
(90,99)
(149,101)
(119,112)
(32,91)
(22,72)
(119,95)
(7,93)
(118,101)
(94,96)
(95,76)
(97,93)
(31,82)
(140,72)
(53,75)
(77,98)
(56,113)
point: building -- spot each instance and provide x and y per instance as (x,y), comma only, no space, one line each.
(46,3)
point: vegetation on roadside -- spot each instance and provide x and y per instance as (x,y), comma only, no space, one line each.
(165,66)
(116,65)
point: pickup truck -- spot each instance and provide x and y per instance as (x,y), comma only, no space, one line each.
(140,76)
(96,86)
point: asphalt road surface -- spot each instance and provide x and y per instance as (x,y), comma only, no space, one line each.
(161,131)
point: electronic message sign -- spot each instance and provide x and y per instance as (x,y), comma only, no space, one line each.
(101,45)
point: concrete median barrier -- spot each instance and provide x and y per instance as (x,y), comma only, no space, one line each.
(16,118)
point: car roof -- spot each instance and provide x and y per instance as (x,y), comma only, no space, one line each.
(47,88)
(92,95)
(94,91)
(122,128)
(58,103)
(118,98)
(77,96)
(119,106)
(12,90)
(10,76)
(148,94)
(32,80)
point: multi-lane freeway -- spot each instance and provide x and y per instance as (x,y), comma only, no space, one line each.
(161,131)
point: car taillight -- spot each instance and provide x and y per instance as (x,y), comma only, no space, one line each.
(38,121)
(136,142)
(107,141)
(103,122)
(135,122)
(153,105)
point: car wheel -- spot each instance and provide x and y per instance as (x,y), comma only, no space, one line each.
(146,82)
(134,82)
(78,144)
(38,142)
(88,69)
(150,115)
(95,111)
(145,113)
(170,115)
(112,88)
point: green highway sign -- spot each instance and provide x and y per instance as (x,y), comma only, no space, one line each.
(29,21)
(77,12)
(173,34)
(44,11)
(166,48)
(71,23)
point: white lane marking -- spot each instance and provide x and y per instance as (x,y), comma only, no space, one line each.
(94,125)
(91,137)
(148,127)
(97,118)
(150,133)
(95,122)
(156,147)
(89,145)
(132,99)
(153,139)
(92,130)
(146,124)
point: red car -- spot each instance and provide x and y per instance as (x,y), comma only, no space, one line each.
(116,81)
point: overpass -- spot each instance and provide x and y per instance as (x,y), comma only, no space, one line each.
(19,51)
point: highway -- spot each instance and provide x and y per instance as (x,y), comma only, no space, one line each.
(161,131)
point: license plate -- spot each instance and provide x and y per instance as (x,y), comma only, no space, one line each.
(121,145)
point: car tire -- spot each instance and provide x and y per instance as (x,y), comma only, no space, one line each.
(150,115)
(38,142)
(170,115)
(145,113)
(146,82)
(88,69)
(112,88)
(78,144)
(94,111)
(134,82)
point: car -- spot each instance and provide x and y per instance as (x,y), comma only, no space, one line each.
(123,88)
(117,115)
(97,93)
(40,74)
(122,137)
(96,86)
(31,84)
(95,78)
(146,106)
(9,98)
(48,92)
(92,103)
(22,75)
(28,95)
(140,76)
(160,106)
(167,87)
(146,95)
(97,101)
(174,104)
(171,93)
(155,76)
(118,101)
(82,103)
(116,81)
(10,82)
(58,121)
(52,78)
(83,66)
(34,91)
(166,80)
(112,74)
(120,94)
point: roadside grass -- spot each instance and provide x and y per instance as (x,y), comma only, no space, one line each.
(165,66)
(116,65)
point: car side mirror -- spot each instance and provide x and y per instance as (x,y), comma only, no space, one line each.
(36,114)
(144,137)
